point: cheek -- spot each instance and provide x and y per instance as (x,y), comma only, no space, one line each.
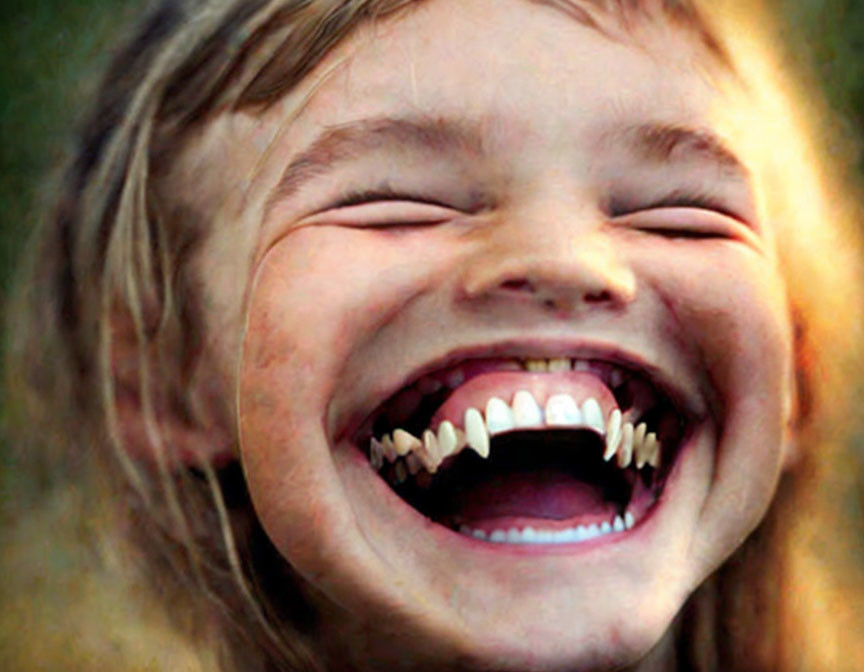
(732,308)
(339,283)
(318,295)
(730,305)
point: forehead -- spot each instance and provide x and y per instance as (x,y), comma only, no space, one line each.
(514,59)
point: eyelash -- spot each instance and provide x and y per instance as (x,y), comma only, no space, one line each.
(361,197)
(695,201)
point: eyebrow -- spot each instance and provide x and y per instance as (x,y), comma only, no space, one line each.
(345,142)
(656,142)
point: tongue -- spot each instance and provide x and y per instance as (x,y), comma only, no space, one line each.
(543,494)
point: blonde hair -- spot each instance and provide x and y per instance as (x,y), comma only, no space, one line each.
(111,267)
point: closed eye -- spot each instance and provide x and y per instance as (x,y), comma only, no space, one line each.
(681,215)
(384,208)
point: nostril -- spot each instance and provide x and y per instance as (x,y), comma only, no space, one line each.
(518,285)
(603,296)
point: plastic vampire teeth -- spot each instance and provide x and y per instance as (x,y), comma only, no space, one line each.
(625,443)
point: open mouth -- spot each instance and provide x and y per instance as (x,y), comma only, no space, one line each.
(529,451)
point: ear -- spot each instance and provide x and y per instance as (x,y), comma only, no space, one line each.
(180,417)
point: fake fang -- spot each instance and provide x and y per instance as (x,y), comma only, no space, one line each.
(410,454)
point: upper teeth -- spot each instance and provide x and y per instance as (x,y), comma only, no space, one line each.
(631,444)
(556,364)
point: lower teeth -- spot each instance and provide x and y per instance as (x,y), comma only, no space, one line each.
(570,535)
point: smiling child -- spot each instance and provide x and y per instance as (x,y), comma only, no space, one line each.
(458,334)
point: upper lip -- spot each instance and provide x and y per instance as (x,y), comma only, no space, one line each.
(680,389)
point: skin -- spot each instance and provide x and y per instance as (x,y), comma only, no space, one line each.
(543,240)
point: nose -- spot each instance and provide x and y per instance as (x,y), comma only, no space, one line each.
(562,261)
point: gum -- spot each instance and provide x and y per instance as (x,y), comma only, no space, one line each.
(504,384)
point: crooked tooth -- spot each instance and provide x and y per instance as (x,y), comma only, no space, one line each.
(414,464)
(592,415)
(499,416)
(625,450)
(404,442)
(639,444)
(652,450)
(559,364)
(447,439)
(400,472)
(613,434)
(580,365)
(562,411)
(628,520)
(526,410)
(389,449)
(376,454)
(475,432)
(430,455)
(536,365)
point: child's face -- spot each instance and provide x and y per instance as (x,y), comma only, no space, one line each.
(530,189)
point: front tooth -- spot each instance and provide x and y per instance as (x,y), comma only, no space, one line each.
(376,454)
(592,415)
(526,410)
(625,450)
(562,411)
(618,525)
(639,444)
(475,432)
(430,455)
(559,364)
(404,442)
(629,520)
(652,450)
(447,440)
(613,434)
(499,417)
(537,365)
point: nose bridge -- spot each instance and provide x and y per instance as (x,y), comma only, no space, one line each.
(553,255)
